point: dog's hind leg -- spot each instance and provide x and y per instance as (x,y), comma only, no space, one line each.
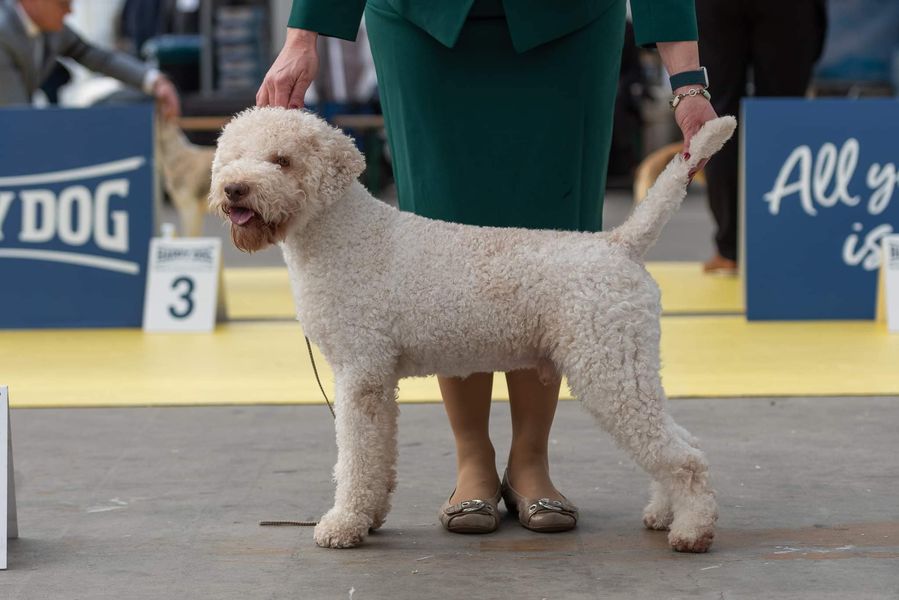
(658,514)
(365,472)
(621,387)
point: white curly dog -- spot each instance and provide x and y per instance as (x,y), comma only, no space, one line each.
(387,294)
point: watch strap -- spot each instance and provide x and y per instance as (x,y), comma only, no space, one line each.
(700,77)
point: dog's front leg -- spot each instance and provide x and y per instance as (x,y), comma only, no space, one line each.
(366,457)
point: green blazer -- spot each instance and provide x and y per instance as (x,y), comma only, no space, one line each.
(531,22)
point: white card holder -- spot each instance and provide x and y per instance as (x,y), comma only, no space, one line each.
(182,285)
(890,280)
(9,527)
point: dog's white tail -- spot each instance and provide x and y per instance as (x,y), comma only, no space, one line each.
(643,227)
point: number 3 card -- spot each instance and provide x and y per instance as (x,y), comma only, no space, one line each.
(182,284)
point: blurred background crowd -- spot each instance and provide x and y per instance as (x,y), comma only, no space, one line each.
(204,60)
(216,53)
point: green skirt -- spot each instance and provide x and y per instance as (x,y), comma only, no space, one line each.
(482,135)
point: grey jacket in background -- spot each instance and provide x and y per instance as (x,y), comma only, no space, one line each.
(20,76)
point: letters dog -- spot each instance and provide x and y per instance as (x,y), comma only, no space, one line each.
(387,295)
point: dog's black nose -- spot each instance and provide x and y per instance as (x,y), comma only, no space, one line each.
(236,191)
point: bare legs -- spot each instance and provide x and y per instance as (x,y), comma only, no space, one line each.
(533,409)
(467,403)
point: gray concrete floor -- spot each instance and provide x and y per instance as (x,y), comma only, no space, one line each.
(164,503)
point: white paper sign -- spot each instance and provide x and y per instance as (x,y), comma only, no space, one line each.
(891,266)
(8,526)
(182,284)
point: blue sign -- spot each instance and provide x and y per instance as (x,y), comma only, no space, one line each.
(820,182)
(76,216)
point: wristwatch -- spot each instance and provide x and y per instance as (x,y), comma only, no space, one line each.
(700,77)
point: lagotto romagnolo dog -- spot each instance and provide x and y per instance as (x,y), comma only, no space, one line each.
(387,294)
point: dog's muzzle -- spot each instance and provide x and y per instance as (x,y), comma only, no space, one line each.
(236,191)
(235,209)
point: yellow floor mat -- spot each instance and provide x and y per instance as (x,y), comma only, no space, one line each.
(267,363)
(686,289)
(258,293)
(264,293)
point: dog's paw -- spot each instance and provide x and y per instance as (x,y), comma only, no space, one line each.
(377,522)
(693,528)
(379,515)
(339,529)
(658,514)
(692,533)
(697,541)
(658,520)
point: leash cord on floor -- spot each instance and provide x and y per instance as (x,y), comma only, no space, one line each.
(318,379)
(322,388)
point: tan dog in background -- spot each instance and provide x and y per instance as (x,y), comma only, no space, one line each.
(186,175)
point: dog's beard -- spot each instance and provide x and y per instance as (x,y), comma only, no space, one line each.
(271,217)
(257,234)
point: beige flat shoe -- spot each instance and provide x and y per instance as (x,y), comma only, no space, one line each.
(542,515)
(471,516)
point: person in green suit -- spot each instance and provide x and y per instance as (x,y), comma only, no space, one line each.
(499,113)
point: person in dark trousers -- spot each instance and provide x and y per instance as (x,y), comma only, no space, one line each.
(772,43)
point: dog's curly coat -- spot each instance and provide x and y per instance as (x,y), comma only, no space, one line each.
(387,294)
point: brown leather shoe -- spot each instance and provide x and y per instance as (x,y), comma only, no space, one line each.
(471,516)
(718,265)
(542,515)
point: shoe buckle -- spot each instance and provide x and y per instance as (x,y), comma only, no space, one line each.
(473,505)
(547,504)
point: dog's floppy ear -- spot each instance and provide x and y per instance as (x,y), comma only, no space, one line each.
(344,163)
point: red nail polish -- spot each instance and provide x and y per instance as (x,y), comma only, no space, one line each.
(686,156)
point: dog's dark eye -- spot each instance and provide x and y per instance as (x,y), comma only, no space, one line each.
(281,161)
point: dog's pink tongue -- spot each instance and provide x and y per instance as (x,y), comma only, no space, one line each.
(239,216)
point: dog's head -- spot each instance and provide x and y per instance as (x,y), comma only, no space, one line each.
(275,170)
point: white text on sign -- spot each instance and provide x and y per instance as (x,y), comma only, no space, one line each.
(823,180)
